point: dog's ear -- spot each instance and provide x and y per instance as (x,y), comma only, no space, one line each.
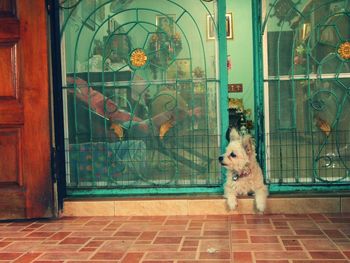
(234,135)
(227,135)
(249,145)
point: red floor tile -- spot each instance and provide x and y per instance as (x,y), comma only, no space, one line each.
(280,255)
(321,244)
(290,242)
(75,240)
(264,239)
(167,240)
(147,235)
(215,255)
(132,257)
(334,234)
(282,238)
(9,256)
(347,254)
(60,235)
(190,243)
(326,255)
(28,257)
(242,257)
(321,261)
(170,255)
(272,261)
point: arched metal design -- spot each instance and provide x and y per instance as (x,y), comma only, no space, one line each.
(307,99)
(141,96)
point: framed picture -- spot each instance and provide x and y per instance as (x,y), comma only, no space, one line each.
(166,23)
(88,7)
(211,32)
(229,26)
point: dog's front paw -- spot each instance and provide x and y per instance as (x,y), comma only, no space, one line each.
(260,199)
(232,203)
(260,207)
(260,204)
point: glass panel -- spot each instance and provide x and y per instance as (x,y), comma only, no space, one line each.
(307,37)
(140,93)
(295,104)
(308,66)
(309,130)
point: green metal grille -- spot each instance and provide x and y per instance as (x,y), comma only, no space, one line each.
(307,98)
(141,96)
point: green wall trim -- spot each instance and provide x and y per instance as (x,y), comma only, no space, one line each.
(223,77)
(151,191)
(276,188)
(258,84)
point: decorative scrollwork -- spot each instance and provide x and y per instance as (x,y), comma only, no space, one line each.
(69,4)
(285,10)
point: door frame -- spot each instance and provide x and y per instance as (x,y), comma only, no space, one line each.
(262,108)
(25,123)
(58,150)
(59,162)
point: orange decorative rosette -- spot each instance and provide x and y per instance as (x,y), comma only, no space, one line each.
(344,50)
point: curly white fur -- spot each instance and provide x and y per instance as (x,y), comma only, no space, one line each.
(240,159)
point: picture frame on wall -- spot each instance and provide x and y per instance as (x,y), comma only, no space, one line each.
(211,32)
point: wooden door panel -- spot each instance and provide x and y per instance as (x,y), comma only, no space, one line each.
(10,152)
(25,176)
(8,72)
(9,29)
(12,203)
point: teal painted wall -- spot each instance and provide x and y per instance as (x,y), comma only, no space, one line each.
(240,50)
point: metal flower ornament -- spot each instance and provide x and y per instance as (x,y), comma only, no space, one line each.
(138,58)
(344,50)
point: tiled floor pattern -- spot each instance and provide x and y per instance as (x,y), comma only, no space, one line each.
(284,238)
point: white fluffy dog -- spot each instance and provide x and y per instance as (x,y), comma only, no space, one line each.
(244,174)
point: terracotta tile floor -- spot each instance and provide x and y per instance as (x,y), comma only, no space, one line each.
(284,238)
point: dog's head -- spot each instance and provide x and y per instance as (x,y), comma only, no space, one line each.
(238,152)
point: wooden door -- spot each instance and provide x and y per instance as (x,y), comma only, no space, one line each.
(25,176)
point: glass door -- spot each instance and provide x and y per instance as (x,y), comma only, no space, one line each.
(306,91)
(141,95)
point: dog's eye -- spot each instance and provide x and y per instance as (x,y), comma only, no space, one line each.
(232,154)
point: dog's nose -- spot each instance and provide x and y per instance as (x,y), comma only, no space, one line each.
(221,158)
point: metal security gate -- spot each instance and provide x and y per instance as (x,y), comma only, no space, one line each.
(306,93)
(141,95)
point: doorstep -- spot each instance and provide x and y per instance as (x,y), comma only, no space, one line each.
(212,205)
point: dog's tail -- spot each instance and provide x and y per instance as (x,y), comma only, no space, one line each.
(234,135)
